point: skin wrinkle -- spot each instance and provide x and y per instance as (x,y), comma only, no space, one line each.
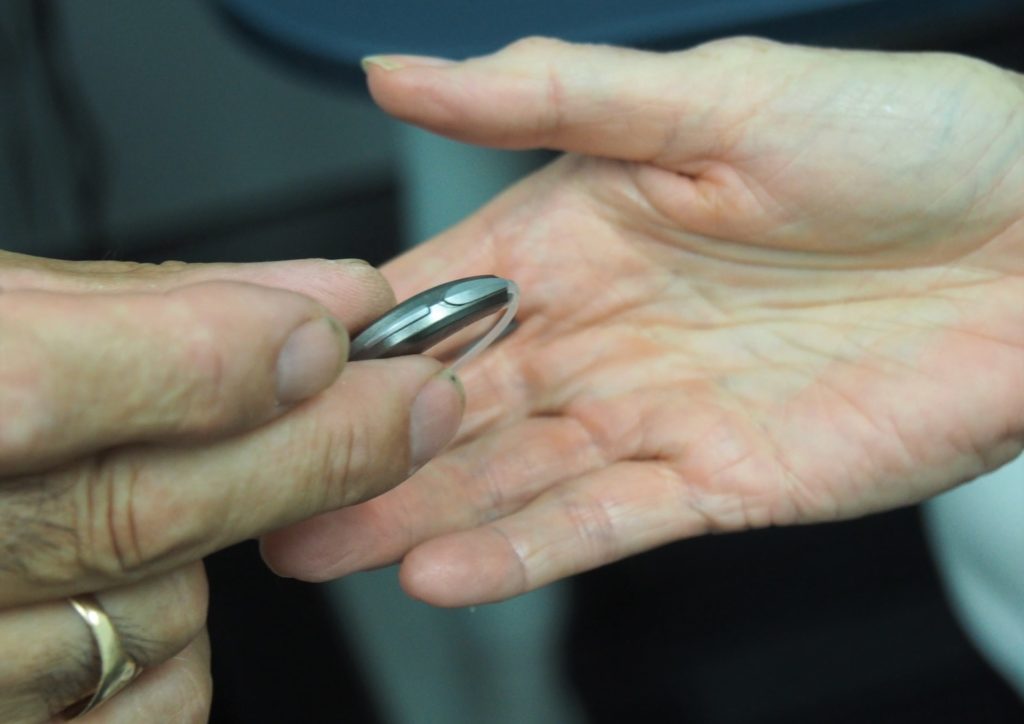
(729,136)
(874,428)
(138,643)
(347,467)
(839,354)
(325,466)
(789,486)
(625,206)
(1015,346)
(710,494)
(827,386)
(954,185)
(115,530)
(204,404)
(496,499)
(871,349)
(499,496)
(603,449)
(61,687)
(663,153)
(593,525)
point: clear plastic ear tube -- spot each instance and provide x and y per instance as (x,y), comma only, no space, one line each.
(501,326)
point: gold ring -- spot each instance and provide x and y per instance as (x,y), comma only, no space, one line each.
(117,668)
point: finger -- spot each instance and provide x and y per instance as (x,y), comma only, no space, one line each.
(351,289)
(141,510)
(50,659)
(598,518)
(83,372)
(466,487)
(598,100)
(178,691)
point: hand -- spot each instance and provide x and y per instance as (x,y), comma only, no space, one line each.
(152,415)
(769,285)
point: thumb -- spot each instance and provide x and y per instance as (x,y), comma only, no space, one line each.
(598,100)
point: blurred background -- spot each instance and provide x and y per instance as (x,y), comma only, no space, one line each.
(240,131)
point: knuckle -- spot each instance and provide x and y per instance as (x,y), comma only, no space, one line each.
(107,524)
(96,523)
(348,470)
(173,265)
(131,524)
(535,45)
(205,363)
(741,45)
(594,526)
(343,466)
(543,52)
(196,390)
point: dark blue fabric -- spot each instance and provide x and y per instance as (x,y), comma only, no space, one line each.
(329,37)
(346,30)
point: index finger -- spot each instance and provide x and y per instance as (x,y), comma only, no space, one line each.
(353,291)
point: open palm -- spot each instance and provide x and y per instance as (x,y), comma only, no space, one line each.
(768,285)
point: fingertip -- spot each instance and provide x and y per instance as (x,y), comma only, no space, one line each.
(397,83)
(271,546)
(437,579)
(314,550)
(462,569)
(353,290)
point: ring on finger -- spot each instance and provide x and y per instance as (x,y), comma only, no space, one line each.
(117,668)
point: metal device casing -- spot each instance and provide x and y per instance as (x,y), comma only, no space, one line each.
(422,321)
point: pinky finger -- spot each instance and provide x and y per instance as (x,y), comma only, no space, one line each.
(178,691)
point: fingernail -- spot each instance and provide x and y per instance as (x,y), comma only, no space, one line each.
(396,62)
(436,414)
(354,263)
(310,359)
